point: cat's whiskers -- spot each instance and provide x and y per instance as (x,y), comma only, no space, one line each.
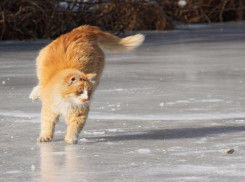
(93,105)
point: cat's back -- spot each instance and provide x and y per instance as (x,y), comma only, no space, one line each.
(71,50)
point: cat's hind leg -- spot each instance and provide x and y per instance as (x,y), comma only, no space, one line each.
(49,120)
(75,124)
(34,93)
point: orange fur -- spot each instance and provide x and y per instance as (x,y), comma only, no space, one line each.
(69,70)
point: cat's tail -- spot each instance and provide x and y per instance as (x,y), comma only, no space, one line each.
(112,43)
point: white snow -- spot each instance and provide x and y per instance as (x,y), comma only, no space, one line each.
(182,101)
(239,121)
(93,132)
(193,101)
(83,140)
(202,140)
(143,151)
(114,130)
(170,103)
(98,132)
(58,132)
(33,167)
(19,114)
(59,153)
(13,172)
(210,100)
(161,104)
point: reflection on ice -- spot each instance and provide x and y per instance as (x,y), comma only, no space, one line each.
(65,167)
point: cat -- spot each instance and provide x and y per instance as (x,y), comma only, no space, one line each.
(69,71)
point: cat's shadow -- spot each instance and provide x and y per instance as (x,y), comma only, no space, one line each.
(168,134)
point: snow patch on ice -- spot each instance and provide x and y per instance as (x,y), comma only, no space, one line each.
(194,152)
(190,178)
(83,140)
(202,140)
(239,121)
(13,172)
(114,130)
(33,167)
(170,103)
(59,153)
(143,151)
(58,132)
(161,104)
(193,100)
(94,132)
(18,114)
(210,100)
(182,101)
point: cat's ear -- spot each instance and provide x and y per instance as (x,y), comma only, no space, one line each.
(74,79)
(91,76)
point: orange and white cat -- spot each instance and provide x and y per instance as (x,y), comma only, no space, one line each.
(69,70)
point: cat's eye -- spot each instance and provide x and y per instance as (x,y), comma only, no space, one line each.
(80,92)
(73,79)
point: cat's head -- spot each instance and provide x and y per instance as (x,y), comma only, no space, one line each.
(77,88)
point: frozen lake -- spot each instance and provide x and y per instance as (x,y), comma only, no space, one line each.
(165,112)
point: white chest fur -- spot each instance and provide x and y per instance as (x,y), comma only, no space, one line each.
(64,107)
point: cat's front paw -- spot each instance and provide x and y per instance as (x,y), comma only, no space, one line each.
(44,139)
(71,140)
(34,94)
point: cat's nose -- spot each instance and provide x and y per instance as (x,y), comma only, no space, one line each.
(84,100)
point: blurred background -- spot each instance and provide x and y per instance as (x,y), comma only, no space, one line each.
(47,19)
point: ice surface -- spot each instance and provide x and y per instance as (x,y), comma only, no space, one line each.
(165,112)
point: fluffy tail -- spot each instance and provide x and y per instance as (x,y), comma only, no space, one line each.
(112,43)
